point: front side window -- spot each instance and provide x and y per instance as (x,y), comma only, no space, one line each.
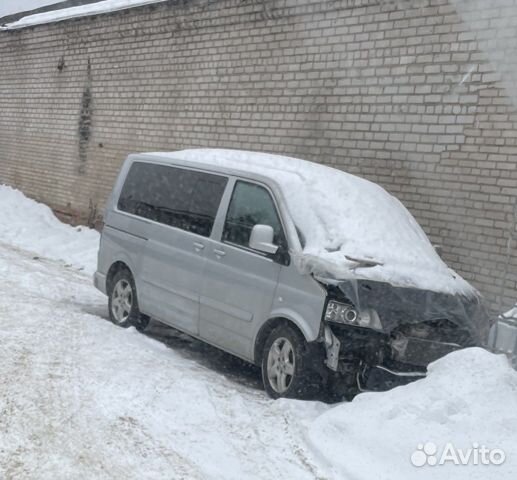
(173,196)
(251,205)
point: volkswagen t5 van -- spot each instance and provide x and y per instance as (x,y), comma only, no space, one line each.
(322,278)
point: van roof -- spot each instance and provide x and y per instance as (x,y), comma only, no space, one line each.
(240,161)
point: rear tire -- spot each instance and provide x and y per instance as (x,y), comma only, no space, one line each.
(287,365)
(123,302)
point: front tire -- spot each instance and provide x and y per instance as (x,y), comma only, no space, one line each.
(287,365)
(123,302)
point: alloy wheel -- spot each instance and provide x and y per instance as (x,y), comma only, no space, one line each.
(121,301)
(281,365)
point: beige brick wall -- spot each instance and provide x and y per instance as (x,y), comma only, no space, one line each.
(400,92)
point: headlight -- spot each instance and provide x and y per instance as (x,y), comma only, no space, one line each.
(343,313)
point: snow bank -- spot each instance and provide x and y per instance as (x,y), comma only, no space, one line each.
(74,12)
(469,398)
(32,226)
(341,215)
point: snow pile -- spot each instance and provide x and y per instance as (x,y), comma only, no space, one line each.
(105,6)
(341,215)
(469,400)
(32,226)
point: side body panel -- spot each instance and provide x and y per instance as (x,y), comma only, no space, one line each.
(169,279)
(236,296)
(301,299)
(123,239)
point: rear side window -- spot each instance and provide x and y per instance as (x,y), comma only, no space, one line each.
(173,196)
(250,205)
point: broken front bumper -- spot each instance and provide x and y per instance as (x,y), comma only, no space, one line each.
(380,378)
(381,361)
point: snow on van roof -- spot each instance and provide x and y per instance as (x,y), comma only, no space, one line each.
(351,227)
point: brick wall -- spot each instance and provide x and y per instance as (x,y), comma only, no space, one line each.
(400,92)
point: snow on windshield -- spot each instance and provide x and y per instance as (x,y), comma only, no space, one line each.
(346,222)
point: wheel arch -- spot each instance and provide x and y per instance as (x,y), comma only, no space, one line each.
(277,319)
(116,267)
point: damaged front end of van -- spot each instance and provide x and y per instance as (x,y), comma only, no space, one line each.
(378,336)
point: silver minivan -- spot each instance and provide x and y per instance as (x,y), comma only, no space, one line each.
(320,277)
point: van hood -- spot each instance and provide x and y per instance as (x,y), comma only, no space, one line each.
(422,274)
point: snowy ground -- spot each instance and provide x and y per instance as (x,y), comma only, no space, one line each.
(81,398)
(88,400)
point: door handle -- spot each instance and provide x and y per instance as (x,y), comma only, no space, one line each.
(198,246)
(219,253)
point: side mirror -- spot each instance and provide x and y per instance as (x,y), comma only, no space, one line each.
(261,239)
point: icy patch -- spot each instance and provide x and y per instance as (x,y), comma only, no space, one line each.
(32,226)
(74,12)
(469,398)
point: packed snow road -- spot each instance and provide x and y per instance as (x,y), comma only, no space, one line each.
(81,398)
